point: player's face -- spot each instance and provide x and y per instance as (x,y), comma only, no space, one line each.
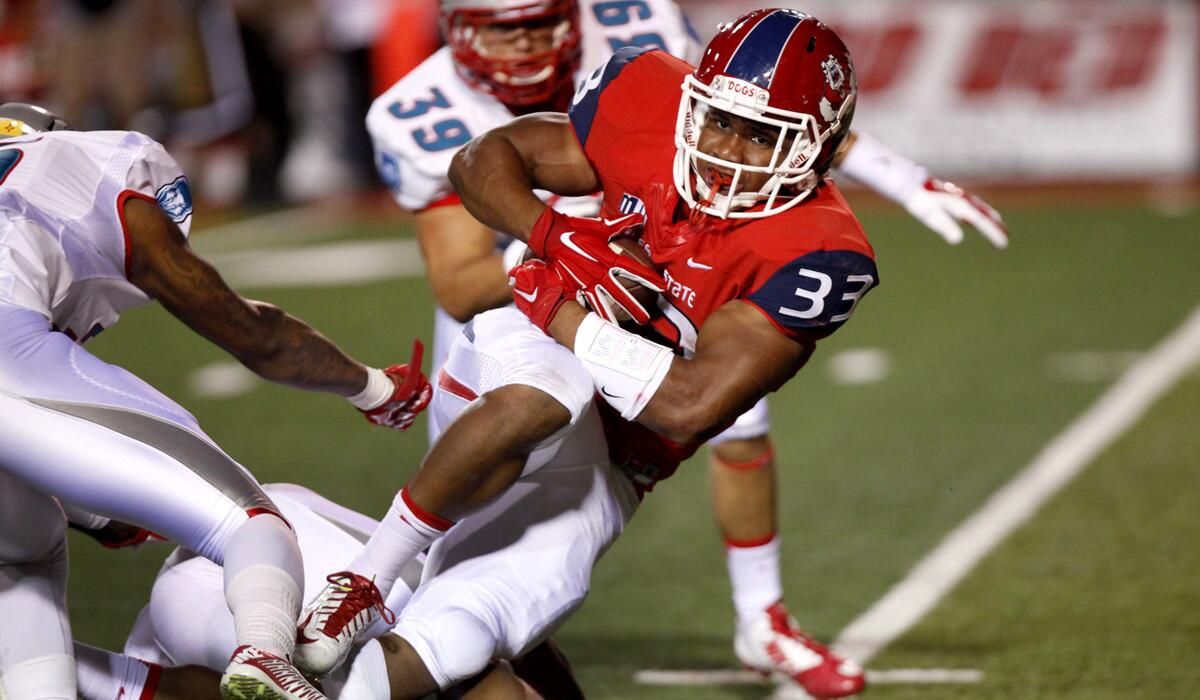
(515,41)
(737,140)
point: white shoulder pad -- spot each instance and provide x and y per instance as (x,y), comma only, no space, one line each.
(420,123)
(659,24)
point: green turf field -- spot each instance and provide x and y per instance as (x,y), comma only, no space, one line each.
(1096,597)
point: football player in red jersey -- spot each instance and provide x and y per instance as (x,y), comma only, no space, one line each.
(469,87)
(760,259)
(757,250)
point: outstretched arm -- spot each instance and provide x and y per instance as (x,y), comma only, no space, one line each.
(941,206)
(269,341)
(495,174)
(266,339)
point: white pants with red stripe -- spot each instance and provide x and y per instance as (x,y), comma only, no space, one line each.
(504,578)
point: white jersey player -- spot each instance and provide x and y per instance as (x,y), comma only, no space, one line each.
(165,639)
(92,224)
(505,58)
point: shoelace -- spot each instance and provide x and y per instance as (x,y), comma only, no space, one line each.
(359,595)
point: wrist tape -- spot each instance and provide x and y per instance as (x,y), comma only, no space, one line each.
(626,368)
(378,390)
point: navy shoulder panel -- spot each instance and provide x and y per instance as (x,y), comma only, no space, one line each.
(587,97)
(817,292)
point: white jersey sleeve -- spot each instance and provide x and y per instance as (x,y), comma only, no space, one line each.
(155,174)
(611,24)
(420,123)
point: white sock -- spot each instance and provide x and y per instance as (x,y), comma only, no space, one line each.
(106,675)
(265,603)
(754,576)
(42,678)
(405,532)
(263,584)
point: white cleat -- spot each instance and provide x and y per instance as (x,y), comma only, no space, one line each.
(347,606)
(254,674)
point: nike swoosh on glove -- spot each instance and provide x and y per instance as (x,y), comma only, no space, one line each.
(411,395)
(942,205)
(538,292)
(578,247)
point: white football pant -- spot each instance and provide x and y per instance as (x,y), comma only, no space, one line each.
(504,578)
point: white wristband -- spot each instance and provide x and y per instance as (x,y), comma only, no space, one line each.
(875,165)
(513,254)
(626,368)
(378,390)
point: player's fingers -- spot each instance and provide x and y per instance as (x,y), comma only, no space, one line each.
(622,297)
(599,302)
(633,270)
(943,224)
(988,223)
(624,226)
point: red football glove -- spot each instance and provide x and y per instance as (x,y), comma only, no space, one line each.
(578,248)
(411,396)
(538,292)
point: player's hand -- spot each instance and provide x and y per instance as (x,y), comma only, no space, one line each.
(538,292)
(944,206)
(410,396)
(579,249)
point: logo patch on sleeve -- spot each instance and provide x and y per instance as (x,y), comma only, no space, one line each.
(389,170)
(175,199)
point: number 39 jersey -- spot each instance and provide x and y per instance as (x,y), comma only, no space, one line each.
(805,269)
(422,120)
(63,246)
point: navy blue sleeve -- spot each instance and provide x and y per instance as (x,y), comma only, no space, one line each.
(587,97)
(816,293)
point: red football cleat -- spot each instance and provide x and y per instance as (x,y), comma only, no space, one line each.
(772,644)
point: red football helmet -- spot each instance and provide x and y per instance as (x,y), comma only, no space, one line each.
(530,79)
(781,68)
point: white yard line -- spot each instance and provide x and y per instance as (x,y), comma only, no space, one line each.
(262,251)
(732,677)
(1056,465)
(350,262)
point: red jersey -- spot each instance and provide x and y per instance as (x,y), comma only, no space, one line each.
(804,269)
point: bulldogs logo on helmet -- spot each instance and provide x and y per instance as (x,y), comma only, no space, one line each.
(533,79)
(781,68)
